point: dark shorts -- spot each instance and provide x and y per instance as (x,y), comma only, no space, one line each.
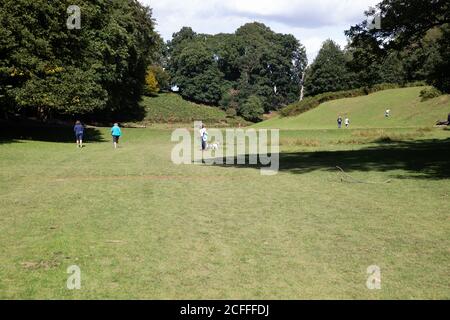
(203,145)
(79,136)
(116,139)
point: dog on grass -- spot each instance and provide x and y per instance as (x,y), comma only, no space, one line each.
(212,146)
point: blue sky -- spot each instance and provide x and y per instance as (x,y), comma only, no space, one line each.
(310,21)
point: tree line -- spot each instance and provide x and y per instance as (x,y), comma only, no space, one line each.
(412,43)
(249,72)
(102,69)
(255,70)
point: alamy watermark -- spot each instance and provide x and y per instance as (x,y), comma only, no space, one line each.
(74,280)
(228,147)
(374,279)
(374,21)
(74,19)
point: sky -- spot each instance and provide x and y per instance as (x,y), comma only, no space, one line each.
(310,21)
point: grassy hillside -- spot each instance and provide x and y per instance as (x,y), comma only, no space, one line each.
(407,110)
(172,108)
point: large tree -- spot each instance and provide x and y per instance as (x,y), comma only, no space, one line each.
(404,25)
(48,69)
(230,68)
(328,72)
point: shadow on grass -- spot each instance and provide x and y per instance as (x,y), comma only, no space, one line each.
(13,132)
(428,159)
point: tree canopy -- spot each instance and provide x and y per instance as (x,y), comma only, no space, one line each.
(47,69)
(416,30)
(232,68)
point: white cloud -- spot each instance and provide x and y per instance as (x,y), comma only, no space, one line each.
(311,21)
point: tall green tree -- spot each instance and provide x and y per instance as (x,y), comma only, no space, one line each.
(229,68)
(404,25)
(48,70)
(328,72)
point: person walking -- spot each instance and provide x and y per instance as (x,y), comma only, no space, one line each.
(79,132)
(387,113)
(339,122)
(116,134)
(203,136)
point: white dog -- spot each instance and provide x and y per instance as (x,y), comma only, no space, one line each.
(212,146)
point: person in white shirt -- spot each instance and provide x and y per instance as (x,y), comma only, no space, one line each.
(347,122)
(387,114)
(203,136)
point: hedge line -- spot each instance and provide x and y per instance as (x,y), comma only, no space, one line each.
(313,102)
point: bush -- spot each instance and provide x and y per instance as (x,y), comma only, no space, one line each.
(231,112)
(252,109)
(312,102)
(384,86)
(430,93)
(151,84)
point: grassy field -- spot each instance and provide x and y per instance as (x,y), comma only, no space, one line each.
(406,107)
(140,227)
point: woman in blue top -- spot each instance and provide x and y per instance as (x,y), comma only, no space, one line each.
(79,131)
(116,133)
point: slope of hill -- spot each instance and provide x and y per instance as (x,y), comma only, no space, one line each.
(407,110)
(172,108)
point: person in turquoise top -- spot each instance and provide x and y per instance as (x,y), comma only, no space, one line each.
(116,134)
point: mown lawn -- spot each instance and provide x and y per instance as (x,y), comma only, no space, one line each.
(140,227)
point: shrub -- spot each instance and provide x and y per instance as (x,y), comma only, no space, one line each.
(384,86)
(312,102)
(252,109)
(430,93)
(151,84)
(231,112)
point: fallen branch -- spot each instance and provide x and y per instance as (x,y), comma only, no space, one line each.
(351,179)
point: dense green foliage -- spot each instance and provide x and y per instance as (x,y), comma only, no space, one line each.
(47,69)
(430,93)
(412,43)
(228,69)
(328,72)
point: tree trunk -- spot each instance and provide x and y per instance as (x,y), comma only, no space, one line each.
(302,86)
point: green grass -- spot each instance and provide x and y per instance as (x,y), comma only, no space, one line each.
(172,108)
(141,227)
(407,110)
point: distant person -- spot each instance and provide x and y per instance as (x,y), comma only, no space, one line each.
(79,132)
(339,122)
(116,134)
(203,136)
(347,122)
(448,120)
(387,113)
